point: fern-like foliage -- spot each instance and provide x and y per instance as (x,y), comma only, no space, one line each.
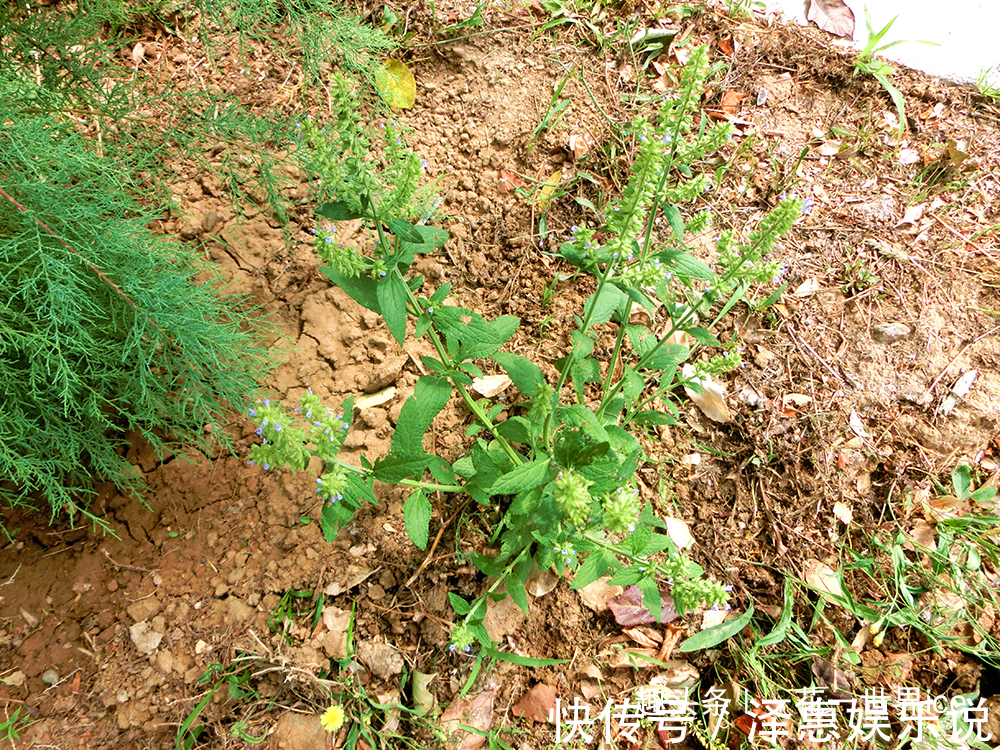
(104,328)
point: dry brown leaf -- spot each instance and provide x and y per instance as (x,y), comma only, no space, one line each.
(540,582)
(832,16)
(476,712)
(731,101)
(596,595)
(678,532)
(912,215)
(711,400)
(547,189)
(922,534)
(807,288)
(843,513)
(539,704)
(375,399)
(643,636)
(829,148)
(509,181)
(490,386)
(823,578)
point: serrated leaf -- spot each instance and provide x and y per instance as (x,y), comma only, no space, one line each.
(527,376)
(392,297)
(396,85)
(459,604)
(689,266)
(600,305)
(704,336)
(361,289)
(515,430)
(713,636)
(432,236)
(521,478)
(394,468)
(405,230)
(338,211)
(597,564)
(417,516)
(430,395)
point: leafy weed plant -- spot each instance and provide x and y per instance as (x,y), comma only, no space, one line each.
(559,471)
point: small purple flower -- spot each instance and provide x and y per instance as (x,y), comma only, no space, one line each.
(259,431)
(574,229)
(263,423)
(423,164)
(267,402)
(267,467)
(452,647)
(252,412)
(249,463)
(381,274)
(277,428)
(807,205)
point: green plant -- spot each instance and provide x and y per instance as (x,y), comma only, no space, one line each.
(868,64)
(559,471)
(9,728)
(989,84)
(105,329)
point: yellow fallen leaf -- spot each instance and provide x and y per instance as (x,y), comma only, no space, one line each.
(395,84)
(545,193)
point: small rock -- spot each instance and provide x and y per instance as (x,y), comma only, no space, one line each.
(386,374)
(29,619)
(211,221)
(145,638)
(50,677)
(299,732)
(889,333)
(383,660)
(143,609)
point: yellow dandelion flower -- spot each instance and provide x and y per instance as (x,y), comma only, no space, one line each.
(333,718)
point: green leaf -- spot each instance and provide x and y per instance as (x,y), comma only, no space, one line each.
(433,237)
(417,516)
(359,288)
(524,661)
(524,373)
(717,634)
(522,478)
(601,304)
(405,230)
(430,395)
(598,563)
(516,430)
(704,336)
(777,635)
(651,597)
(394,468)
(338,211)
(633,383)
(334,517)
(961,480)
(689,266)
(392,296)
(515,583)
(459,604)
(675,220)
(653,417)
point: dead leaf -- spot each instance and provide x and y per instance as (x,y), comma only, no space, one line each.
(138,53)
(711,400)
(727,46)
(923,534)
(396,85)
(912,215)
(490,386)
(540,582)
(832,16)
(546,190)
(475,712)
(843,513)
(539,704)
(731,101)
(829,148)
(644,636)
(823,578)
(580,145)
(596,595)
(509,181)
(807,288)
(678,531)
(630,610)
(375,399)
(908,156)
(857,425)
(946,507)
(836,681)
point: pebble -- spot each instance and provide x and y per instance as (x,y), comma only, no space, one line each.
(889,333)
(50,677)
